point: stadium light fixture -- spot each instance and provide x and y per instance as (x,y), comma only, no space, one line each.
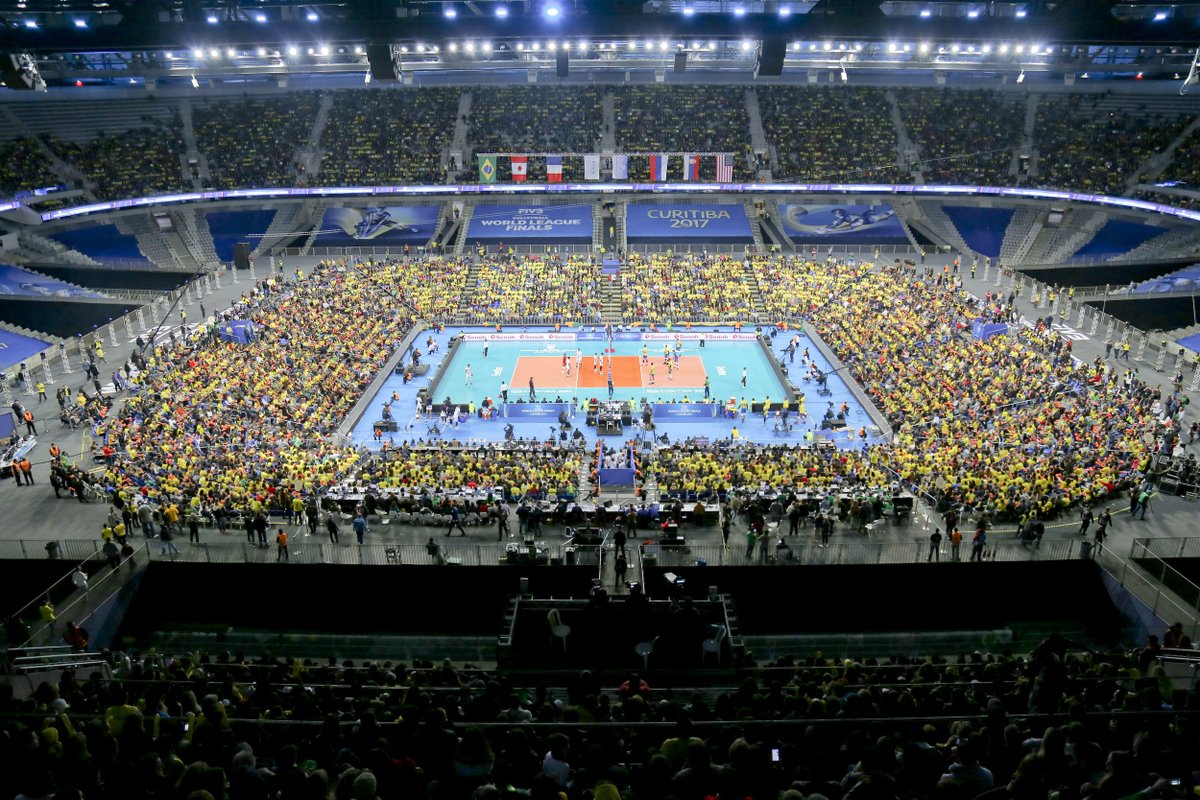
(420,48)
(926,13)
(1020,49)
(785,11)
(214,53)
(954,49)
(1020,13)
(260,18)
(502,12)
(812,46)
(535,46)
(662,44)
(520,47)
(450,12)
(745,45)
(454,47)
(987,48)
(486,47)
(1004,49)
(552,46)
(688,11)
(211,19)
(367,77)
(198,55)
(81,23)
(583,46)
(893,48)
(924,48)
(1160,16)
(312,16)
(828,46)
(470,47)
(230,53)
(1021,77)
(740,11)
(169,56)
(358,49)
(712,45)
(552,11)
(324,49)
(195,83)
(566,46)
(293,50)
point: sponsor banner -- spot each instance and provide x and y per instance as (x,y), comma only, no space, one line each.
(675,412)
(693,223)
(695,336)
(876,224)
(519,337)
(350,227)
(16,347)
(536,411)
(22,283)
(548,224)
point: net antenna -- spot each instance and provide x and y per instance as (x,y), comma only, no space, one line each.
(1193,75)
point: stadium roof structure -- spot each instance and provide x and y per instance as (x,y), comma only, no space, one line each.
(152,41)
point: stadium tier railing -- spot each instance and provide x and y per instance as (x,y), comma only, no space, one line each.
(318,550)
(1151,555)
(1160,598)
(864,551)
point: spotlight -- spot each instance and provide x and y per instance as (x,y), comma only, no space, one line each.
(520,46)
(987,48)
(198,55)
(1020,13)
(293,50)
(502,12)
(712,45)
(81,23)
(324,49)
(662,45)
(552,11)
(552,46)
(746,46)
(420,48)
(169,56)
(926,13)
(470,47)
(845,77)
(1004,49)
(1021,77)
(583,46)
(367,77)
(739,12)
(535,46)
(260,18)
(450,12)
(211,19)
(954,48)
(688,11)
(312,16)
(454,47)
(195,83)
(403,48)
(230,53)
(358,50)
(924,48)
(214,53)
(828,46)
(262,52)
(785,11)
(566,46)
(1160,16)
(486,47)
(893,48)
(1020,49)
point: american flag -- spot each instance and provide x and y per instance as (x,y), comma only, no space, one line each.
(724,168)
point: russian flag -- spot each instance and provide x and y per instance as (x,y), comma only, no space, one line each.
(658,167)
(553,169)
(691,168)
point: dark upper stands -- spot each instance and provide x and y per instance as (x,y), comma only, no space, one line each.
(1087,145)
(387,136)
(684,119)
(253,141)
(965,136)
(135,163)
(831,134)
(23,166)
(542,120)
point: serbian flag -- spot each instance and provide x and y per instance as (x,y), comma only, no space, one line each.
(691,168)
(658,167)
(519,165)
(553,169)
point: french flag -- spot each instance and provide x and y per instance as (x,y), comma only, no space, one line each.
(553,169)
(658,167)
(691,168)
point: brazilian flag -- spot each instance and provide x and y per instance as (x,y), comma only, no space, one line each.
(487,169)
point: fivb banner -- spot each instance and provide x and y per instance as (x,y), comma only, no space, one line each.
(544,224)
(842,224)
(349,227)
(725,224)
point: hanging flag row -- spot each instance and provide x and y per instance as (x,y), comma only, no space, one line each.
(660,165)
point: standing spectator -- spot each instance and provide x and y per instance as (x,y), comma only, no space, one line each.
(978,543)
(620,567)
(935,545)
(165,543)
(79,580)
(955,544)
(332,527)
(1085,520)
(360,528)
(455,520)
(281,545)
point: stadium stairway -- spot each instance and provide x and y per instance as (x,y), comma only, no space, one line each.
(459,147)
(65,171)
(469,289)
(192,228)
(1070,238)
(757,307)
(1027,141)
(160,247)
(288,222)
(608,130)
(191,154)
(755,228)
(310,153)
(43,246)
(758,137)
(934,223)
(610,299)
(1023,229)
(906,152)
(464,222)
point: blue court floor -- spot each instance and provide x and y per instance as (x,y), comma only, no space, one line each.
(722,363)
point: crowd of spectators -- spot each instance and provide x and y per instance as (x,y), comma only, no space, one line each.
(1073,130)
(1184,167)
(1007,424)
(215,424)
(385,137)
(794,286)
(197,726)
(965,136)
(548,288)
(668,287)
(254,141)
(23,167)
(135,163)
(515,472)
(684,119)
(842,134)
(693,469)
(523,119)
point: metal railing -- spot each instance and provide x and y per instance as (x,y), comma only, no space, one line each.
(1161,600)
(318,550)
(83,603)
(851,552)
(1150,555)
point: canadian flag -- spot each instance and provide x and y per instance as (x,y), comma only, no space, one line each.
(519,163)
